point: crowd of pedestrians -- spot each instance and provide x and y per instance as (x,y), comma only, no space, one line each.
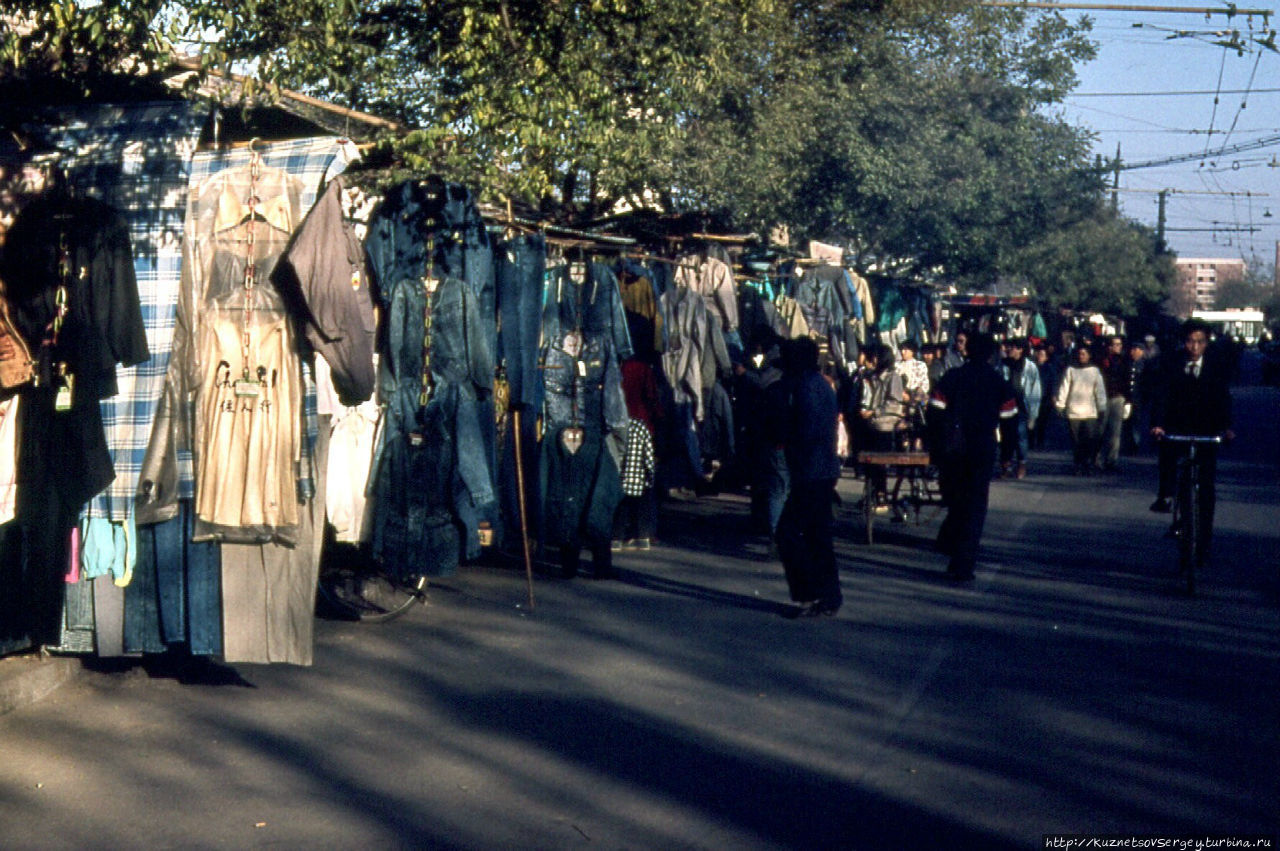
(978,406)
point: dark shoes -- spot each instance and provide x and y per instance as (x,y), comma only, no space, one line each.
(1162,505)
(816,608)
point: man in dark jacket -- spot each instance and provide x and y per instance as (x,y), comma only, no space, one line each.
(1195,399)
(965,409)
(1114,364)
(806,426)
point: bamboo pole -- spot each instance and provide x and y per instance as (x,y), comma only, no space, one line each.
(524,514)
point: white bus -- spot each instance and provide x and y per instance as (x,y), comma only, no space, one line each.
(1243,323)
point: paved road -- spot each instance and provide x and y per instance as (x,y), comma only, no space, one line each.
(1071,689)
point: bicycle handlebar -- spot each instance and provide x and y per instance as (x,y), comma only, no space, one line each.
(1192,438)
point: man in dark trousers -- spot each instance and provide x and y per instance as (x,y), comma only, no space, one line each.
(965,409)
(1194,399)
(805,425)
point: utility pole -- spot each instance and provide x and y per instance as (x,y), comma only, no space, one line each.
(1115,183)
(1160,245)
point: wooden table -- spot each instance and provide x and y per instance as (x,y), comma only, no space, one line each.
(908,466)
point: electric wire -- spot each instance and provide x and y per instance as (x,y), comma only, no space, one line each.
(1222,66)
(1244,101)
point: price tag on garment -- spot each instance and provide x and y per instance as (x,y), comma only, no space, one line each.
(66,387)
(582,369)
(355,280)
(245,388)
(416,439)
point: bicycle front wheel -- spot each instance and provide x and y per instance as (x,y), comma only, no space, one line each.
(370,596)
(1191,548)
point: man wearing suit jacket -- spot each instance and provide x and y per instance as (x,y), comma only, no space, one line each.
(1195,400)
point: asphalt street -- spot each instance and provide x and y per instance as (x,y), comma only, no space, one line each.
(1073,688)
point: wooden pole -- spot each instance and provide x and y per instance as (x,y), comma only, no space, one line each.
(524,514)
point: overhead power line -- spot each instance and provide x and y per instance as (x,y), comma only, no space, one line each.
(1228,10)
(1171,94)
(1264,142)
(1193,192)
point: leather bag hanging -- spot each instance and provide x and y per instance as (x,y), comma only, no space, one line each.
(16,364)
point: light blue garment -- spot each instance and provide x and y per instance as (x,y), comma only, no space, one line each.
(1031,392)
(107,547)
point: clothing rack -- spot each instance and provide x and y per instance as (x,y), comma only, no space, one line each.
(507,219)
(732,239)
(640,255)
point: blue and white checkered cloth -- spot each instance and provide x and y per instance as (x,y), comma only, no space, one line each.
(315,162)
(136,158)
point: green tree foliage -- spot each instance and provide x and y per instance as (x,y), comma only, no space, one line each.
(918,132)
(1255,289)
(1103,262)
(921,142)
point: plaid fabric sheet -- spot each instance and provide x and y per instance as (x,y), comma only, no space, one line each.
(136,158)
(315,161)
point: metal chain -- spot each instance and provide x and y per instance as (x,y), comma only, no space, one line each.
(424,395)
(251,265)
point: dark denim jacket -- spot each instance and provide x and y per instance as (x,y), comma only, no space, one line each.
(584,389)
(460,361)
(413,217)
(421,212)
(593,307)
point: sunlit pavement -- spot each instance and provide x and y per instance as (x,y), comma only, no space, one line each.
(1072,688)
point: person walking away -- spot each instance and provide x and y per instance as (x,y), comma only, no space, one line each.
(849,401)
(1015,438)
(1082,399)
(766,471)
(965,410)
(1194,399)
(636,520)
(807,428)
(1114,366)
(1049,376)
(1141,376)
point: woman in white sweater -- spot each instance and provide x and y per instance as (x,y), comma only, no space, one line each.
(1082,399)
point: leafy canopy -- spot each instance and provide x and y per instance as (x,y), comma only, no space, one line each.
(920,133)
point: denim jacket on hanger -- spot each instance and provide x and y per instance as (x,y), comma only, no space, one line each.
(584,336)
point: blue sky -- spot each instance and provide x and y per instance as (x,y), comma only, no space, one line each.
(1137,58)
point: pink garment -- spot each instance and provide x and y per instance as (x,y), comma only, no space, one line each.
(73,569)
(8,459)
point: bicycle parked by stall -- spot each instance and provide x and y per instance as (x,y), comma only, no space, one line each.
(353,586)
(1187,526)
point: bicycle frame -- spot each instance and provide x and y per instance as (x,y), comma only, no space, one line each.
(1186,521)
